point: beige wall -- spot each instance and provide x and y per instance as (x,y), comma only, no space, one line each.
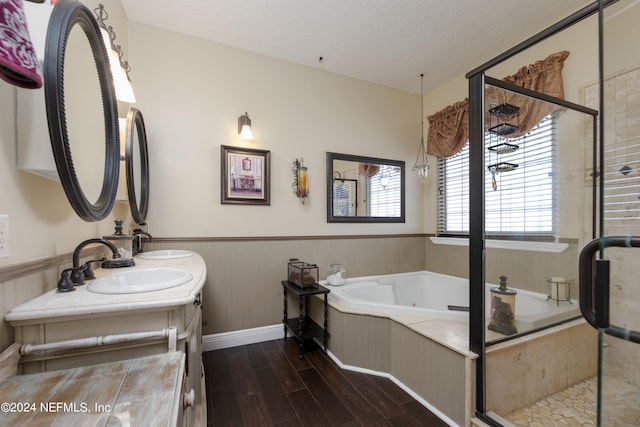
(191,93)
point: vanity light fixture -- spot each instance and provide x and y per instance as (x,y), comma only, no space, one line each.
(244,127)
(119,69)
(300,188)
(421,164)
(125,87)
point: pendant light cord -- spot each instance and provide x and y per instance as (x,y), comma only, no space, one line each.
(422,110)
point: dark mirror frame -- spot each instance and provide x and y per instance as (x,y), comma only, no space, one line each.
(135,123)
(66,14)
(363,159)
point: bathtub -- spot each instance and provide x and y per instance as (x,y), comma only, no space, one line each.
(432,295)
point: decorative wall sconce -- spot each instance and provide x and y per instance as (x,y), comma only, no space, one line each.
(244,127)
(300,188)
(119,68)
(421,164)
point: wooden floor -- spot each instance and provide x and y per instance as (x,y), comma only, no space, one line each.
(266,384)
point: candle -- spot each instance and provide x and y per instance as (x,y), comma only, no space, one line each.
(302,181)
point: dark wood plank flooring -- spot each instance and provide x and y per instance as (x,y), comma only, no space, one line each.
(267,384)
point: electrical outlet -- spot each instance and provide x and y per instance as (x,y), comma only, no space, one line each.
(4,236)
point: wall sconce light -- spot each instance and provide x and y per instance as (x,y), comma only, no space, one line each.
(119,68)
(244,127)
(421,164)
(300,188)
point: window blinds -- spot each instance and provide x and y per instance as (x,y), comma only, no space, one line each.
(524,201)
(384,192)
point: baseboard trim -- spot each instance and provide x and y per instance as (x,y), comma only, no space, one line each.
(242,337)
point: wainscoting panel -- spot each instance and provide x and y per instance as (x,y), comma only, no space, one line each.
(437,374)
(359,340)
(22,289)
(525,269)
(243,289)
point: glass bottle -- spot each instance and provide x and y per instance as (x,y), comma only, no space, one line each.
(337,275)
(124,243)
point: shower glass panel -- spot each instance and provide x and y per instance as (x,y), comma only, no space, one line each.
(535,223)
(538,215)
(619,211)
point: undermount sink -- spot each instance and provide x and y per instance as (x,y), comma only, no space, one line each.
(140,280)
(165,254)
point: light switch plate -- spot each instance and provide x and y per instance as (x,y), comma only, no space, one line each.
(4,236)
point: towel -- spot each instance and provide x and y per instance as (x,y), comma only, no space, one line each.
(18,61)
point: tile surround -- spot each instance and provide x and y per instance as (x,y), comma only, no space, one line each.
(576,406)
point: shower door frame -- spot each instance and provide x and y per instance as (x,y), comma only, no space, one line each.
(477,81)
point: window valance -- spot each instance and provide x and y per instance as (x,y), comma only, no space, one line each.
(449,128)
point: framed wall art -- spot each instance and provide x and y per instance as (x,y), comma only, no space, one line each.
(245,176)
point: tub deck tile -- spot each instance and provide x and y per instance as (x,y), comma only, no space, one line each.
(453,334)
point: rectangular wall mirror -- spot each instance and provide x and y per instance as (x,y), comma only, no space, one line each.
(364,189)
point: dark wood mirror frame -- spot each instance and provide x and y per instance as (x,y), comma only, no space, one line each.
(65,15)
(138,203)
(331,157)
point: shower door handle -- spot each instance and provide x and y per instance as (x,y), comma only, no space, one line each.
(594,288)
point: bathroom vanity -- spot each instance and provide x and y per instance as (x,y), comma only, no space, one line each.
(82,314)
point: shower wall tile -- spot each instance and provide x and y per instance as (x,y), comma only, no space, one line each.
(506,379)
(522,371)
(622,139)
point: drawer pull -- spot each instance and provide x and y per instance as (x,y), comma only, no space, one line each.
(189,399)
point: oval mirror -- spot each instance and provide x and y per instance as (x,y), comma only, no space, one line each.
(137,164)
(364,189)
(83,115)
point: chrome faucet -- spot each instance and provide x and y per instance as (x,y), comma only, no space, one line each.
(78,271)
(137,240)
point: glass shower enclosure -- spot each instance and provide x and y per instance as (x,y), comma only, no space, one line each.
(609,271)
(585,191)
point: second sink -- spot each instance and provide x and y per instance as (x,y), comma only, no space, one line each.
(140,280)
(165,254)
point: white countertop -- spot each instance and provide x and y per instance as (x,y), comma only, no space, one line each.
(82,302)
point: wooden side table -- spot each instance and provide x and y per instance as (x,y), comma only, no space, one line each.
(303,327)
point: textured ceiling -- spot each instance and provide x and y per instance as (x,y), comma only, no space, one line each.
(389,42)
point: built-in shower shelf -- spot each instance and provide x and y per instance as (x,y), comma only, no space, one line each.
(503,129)
(504,110)
(502,167)
(504,148)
